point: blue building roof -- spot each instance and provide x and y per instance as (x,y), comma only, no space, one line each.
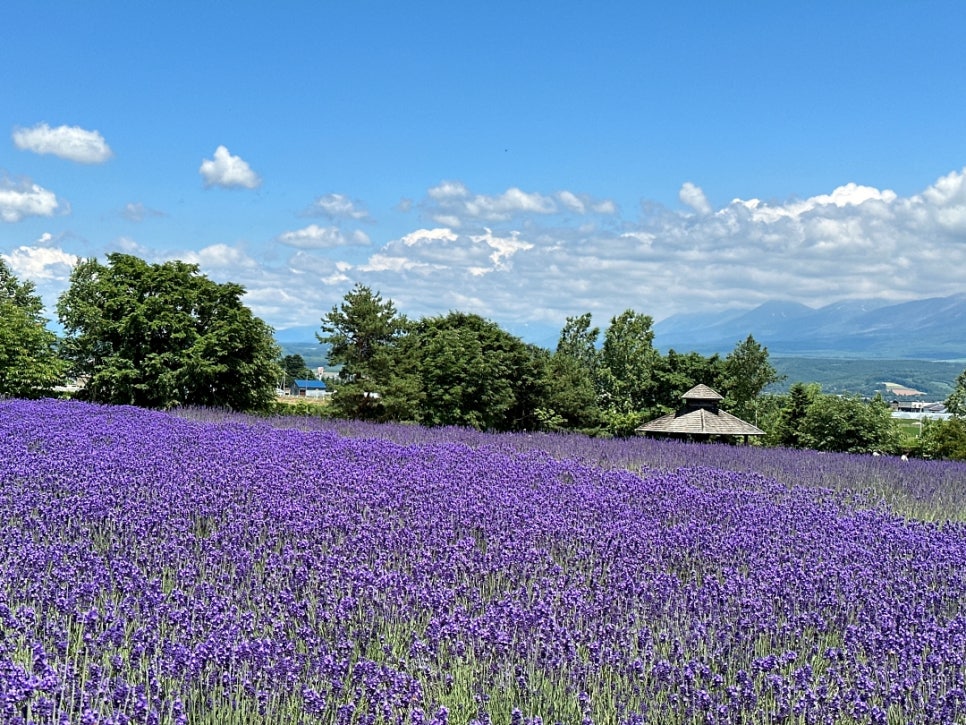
(310,384)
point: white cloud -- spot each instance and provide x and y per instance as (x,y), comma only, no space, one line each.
(449,190)
(40,263)
(850,195)
(604,207)
(503,247)
(855,241)
(131,246)
(451,204)
(136,211)
(429,235)
(337,206)
(315,237)
(397,264)
(68,142)
(219,257)
(448,220)
(852,242)
(694,197)
(19,200)
(946,202)
(512,201)
(572,201)
(228,171)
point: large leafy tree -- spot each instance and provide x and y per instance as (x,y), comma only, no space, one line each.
(944,439)
(29,365)
(161,335)
(848,425)
(366,336)
(578,341)
(474,373)
(570,401)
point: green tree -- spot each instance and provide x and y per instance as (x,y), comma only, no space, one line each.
(944,439)
(295,368)
(747,372)
(848,424)
(161,335)
(29,365)
(626,375)
(366,336)
(956,402)
(787,430)
(570,402)
(474,373)
(578,341)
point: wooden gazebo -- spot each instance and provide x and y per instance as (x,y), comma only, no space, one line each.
(700,419)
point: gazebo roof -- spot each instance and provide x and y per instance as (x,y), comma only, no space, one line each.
(702,392)
(700,420)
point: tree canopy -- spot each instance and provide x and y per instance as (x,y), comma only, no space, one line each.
(161,335)
(746,373)
(29,365)
(365,335)
(847,424)
(473,373)
(461,369)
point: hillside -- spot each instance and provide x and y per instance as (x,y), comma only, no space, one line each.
(868,377)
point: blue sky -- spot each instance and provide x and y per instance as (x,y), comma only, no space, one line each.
(524,161)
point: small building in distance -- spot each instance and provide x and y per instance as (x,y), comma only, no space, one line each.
(308,388)
(700,419)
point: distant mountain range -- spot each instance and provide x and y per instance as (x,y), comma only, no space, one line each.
(927,329)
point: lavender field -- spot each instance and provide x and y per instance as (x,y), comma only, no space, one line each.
(202,568)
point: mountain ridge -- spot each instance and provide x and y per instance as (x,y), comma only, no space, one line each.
(926,329)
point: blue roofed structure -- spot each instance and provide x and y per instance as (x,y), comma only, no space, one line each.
(307,388)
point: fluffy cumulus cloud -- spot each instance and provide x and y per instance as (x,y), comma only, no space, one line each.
(536,258)
(452,204)
(24,199)
(40,263)
(513,260)
(316,237)
(67,142)
(228,171)
(47,266)
(427,252)
(337,207)
(694,197)
(219,257)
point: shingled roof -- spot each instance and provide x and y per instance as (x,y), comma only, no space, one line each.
(700,417)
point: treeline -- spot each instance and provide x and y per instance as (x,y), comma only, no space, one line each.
(164,335)
(461,369)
